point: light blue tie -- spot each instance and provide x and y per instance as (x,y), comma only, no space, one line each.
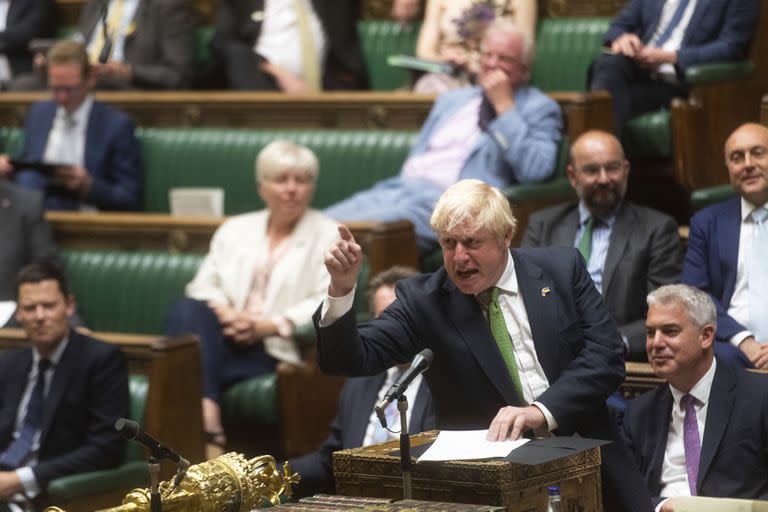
(757,274)
(674,22)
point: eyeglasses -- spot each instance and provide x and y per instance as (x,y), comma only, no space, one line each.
(613,167)
(505,59)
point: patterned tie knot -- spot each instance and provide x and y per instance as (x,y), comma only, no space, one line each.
(687,401)
(759,215)
(493,293)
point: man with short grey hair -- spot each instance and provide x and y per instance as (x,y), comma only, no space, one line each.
(703,433)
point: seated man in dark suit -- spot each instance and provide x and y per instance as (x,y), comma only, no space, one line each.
(651,44)
(25,234)
(20,22)
(355,423)
(704,432)
(97,155)
(629,249)
(521,338)
(728,244)
(295,46)
(140,44)
(59,398)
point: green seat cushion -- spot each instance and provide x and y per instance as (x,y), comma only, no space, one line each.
(349,161)
(252,401)
(124,291)
(11,140)
(138,386)
(203,36)
(379,39)
(704,197)
(564,49)
(649,135)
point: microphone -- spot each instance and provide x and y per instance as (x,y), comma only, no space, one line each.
(132,431)
(420,363)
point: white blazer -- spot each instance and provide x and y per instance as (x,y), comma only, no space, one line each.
(298,282)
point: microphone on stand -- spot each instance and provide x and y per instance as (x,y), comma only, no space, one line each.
(132,431)
(420,363)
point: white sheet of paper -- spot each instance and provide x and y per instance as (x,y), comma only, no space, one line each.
(468,445)
(7,309)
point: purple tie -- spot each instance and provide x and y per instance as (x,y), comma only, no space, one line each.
(691,441)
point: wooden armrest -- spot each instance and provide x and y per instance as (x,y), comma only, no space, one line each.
(585,111)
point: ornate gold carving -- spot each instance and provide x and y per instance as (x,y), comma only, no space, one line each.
(229,482)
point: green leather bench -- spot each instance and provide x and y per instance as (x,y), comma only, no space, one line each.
(350,160)
(704,197)
(130,474)
(379,39)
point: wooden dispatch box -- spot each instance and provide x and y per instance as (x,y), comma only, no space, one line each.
(375,471)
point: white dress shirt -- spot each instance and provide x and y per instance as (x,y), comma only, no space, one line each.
(674,474)
(410,394)
(739,307)
(280,39)
(533,380)
(25,473)
(66,140)
(667,71)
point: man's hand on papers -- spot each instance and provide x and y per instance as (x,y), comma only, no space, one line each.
(510,422)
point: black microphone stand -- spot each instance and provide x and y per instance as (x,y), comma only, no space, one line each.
(156,503)
(405,447)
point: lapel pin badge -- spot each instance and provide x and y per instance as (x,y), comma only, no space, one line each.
(545,291)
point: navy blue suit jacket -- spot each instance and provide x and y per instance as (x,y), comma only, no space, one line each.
(89,391)
(711,259)
(734,450)
(356,402)
(719,30)
(112,157)
(577,344)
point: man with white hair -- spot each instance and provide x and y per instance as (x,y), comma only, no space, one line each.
(501,131)
(522,340)
(704,432)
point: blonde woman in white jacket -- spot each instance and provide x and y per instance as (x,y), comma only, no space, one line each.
(263,276)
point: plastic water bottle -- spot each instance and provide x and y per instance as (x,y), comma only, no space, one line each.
(553,503)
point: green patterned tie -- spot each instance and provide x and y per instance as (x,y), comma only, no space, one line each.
(503,340)
(585,242)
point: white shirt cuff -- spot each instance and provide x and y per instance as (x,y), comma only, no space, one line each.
(739,337)
(28,481)
(284,326)
(551,421)
(661,504)
(336,307)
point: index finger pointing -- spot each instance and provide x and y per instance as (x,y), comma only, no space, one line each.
(345,233)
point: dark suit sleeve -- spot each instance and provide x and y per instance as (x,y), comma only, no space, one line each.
(736,32)
(39,240)
(120,187)
(344,66)
(696,273)
(108,400)
(174,65)
(36,20)
(664,267)
(533,232)
(597,368)
(628,21)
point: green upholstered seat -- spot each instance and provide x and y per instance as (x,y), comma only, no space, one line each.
(349,161)
(127,291)
(564,49)
(379,39)
(11,140)
(649,135)
(132,473)
(704,197)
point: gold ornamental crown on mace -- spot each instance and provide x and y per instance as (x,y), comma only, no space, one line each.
(229,483)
